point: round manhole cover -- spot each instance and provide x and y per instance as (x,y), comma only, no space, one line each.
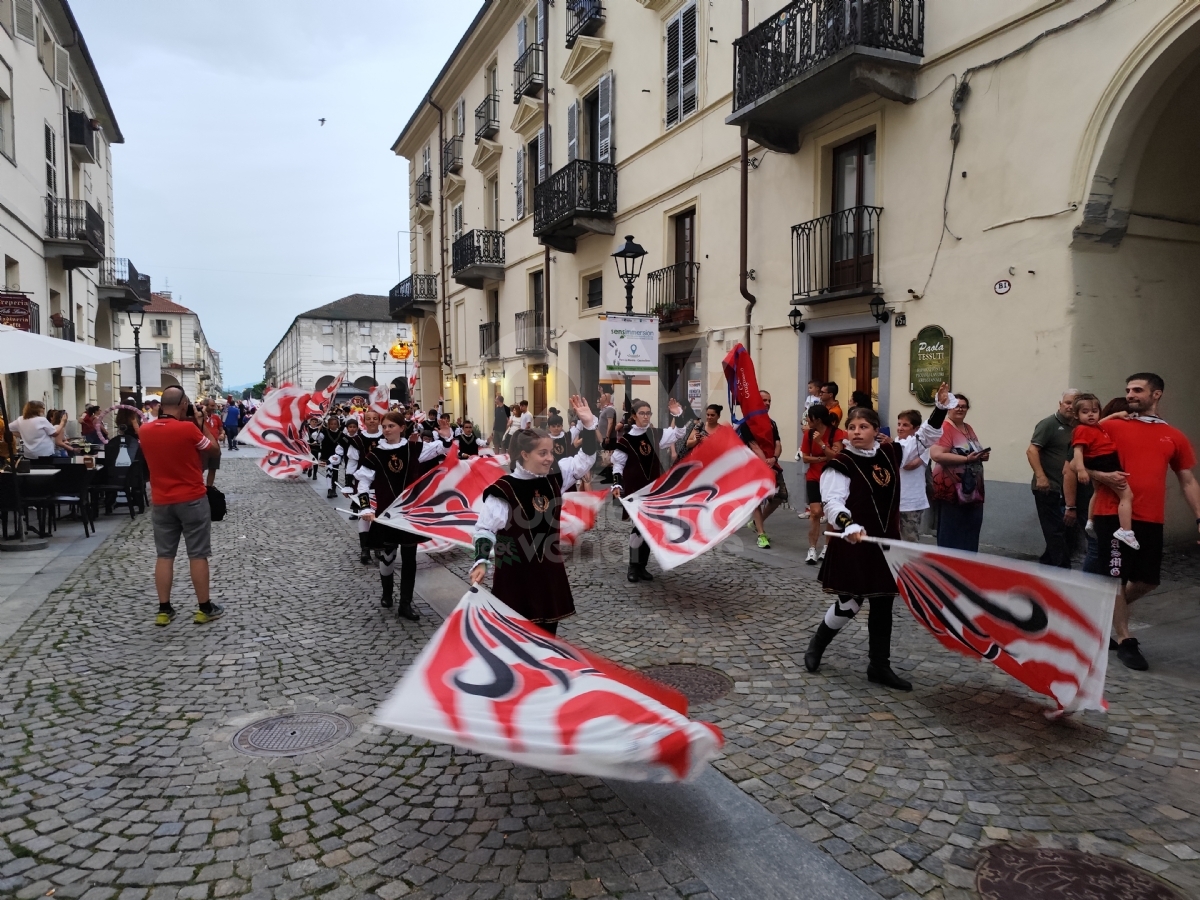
(292,735)
(1015,873)
(699,684)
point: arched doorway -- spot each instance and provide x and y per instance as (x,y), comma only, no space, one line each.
(429,364)
(1137,250)
(323,382)
(399,389)
(365,383)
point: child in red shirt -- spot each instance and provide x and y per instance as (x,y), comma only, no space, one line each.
(1092,449)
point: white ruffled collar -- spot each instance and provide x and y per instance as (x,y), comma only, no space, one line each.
(384,445)
(852,449)
(524,474)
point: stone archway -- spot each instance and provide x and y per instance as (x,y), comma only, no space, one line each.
(364,383)
(323,382)
(429,364)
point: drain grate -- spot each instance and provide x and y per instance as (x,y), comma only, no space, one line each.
(699,684)
(1015,873)
(292,735)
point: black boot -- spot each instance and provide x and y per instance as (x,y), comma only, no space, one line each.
(632,574)
(879,646)
(643,553)
(388,581)
(364,555)
(816,647)
(331,493)
(408,580)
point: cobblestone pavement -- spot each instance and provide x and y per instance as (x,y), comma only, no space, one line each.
(117,779)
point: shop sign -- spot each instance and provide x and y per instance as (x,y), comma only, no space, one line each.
(16,311)
(694,398)
(628,346)
(930,359)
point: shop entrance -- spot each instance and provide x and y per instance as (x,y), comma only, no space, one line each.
(685,382)
(852,360)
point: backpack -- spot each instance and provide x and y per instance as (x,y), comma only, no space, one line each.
(216,503)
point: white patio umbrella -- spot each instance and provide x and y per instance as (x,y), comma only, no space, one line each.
(21,351)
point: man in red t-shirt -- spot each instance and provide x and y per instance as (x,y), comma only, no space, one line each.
(212,422)
(174,445)
(1148,448)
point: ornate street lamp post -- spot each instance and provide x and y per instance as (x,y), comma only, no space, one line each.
(629,266)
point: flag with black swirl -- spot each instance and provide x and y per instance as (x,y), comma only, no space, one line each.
(1046,627)
(495,683)
(444,502)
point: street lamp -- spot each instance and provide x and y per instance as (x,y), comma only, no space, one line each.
(374,354)
(796,320)
(879,309)
(137,324)
(629,266)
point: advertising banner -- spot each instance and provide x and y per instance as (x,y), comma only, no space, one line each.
(628,346)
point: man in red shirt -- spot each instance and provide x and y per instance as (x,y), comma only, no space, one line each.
(1148,447)
(212,422)
(174,445)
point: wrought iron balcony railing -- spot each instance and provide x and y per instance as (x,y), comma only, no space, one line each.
(74,220)
(452,155)
(529,73)
(120,272)
(671,293)
(580,188)
(413,289)
(836,255)
(487,118)
(531,331)
(805,33)
(489,340)
(424,187)
(478,248)
(583,17)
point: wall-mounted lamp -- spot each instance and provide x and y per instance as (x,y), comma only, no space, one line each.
(796,319)
(879,309)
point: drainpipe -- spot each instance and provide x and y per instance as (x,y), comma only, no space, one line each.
(743,211)
(446,348)
(68,272)
(546,132)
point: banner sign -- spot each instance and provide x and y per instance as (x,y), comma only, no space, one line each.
(628,346)
(930,359)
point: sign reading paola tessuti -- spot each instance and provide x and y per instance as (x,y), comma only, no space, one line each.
(930,360)
(628,346)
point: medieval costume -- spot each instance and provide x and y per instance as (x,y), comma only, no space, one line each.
(389,469)
(520,519)
(860,490)
(310,433)
(469,444)
(636,463)
(357,448)
(328,451)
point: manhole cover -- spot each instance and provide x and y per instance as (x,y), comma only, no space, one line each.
(1015,873)
(699,684)
(292,735)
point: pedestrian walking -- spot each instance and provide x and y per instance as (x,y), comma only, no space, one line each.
(606,431)
(821,443)
(958,458)
(232,420)
(175,444)
(212,421)
(1048,452)
(770,456)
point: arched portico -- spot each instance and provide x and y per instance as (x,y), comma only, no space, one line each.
(429,364)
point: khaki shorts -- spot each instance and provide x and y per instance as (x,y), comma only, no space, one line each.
(192,520)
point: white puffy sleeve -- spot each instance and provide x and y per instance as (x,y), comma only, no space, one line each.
(573,468)
(432,449)
(835,489)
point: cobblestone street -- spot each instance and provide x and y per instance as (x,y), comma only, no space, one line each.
(118,778)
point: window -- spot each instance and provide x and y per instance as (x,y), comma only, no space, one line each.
(425,159)
(493,204)
(853,238)
(327,353)
(537,293)
(427,244)
(164,351)
(364,328)
(12,274)
(589,124)
(456,220)
(364,353)
(24,22)
(162,328)
(519,183)
(51,161)
(595,291)
(685,236)
(460,118)
(6,112)
(682,66)
(327,328)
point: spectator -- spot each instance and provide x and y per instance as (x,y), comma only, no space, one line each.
(212,421)
(861,400)
(699,430)
(1072,496)
(38,435)
(822,441)
(174,445)
(606,431)
(58,418)
(129,423)
(829,392)
(91,427)
(913,499)
(1048,452)
(763,511)
(152,407)
(524,416)
(499,423)
(1148,448)
(232,420)
(958,459)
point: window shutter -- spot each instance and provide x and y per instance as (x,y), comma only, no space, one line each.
(51,161)
(543,161)
(673,71)
(23,20)
(520,183)
(425,159)
(521,39)
(573,132)
(604,140)
(462,117)
(689,74)
(62,67)
(456,219)
(541,23)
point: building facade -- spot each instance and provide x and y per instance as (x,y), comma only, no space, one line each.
(61,274)
(184,356)
(998,190)
(339,336)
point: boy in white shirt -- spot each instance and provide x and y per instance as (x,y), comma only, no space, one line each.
(913,498)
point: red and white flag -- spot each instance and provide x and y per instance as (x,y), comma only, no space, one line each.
(700,500)
(276,427)
(1046,627)
(283,467)
(495,683)
(380,399)
(444,502)
(579,512)
(319,401)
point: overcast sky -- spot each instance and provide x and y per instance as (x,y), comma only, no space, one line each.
(227,186)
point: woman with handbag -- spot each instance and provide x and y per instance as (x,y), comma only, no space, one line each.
(958,459)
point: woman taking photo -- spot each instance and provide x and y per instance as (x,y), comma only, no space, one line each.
(520,520)
(699,430)
(38,436)
(821,443)
(958,459)
(860,490)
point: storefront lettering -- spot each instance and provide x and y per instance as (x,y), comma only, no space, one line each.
(930,361)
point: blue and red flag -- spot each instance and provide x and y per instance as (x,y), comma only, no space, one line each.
(743,392)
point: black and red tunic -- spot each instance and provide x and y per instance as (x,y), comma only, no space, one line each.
(860,570)
(394,468)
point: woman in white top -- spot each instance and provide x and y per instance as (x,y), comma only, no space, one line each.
(37,434)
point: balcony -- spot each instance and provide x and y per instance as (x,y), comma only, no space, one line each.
(814,56)
(424,188)
(81,136)
(18,311)
(122,285)
(529,73)
(584,17)
(489,340)
(74,233)
(836,256)
(452,156)
(671,294)
(531,333)
(478,257)
(414,297)
(578,199)
(487,118)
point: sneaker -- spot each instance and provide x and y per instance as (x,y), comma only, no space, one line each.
(1125,536)
(803,515)
(764,543)
(165,615)
(821,558)
(811,559)
(1129,654)
(1112,644)
(1090,529)
(750,524)
(202,617)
